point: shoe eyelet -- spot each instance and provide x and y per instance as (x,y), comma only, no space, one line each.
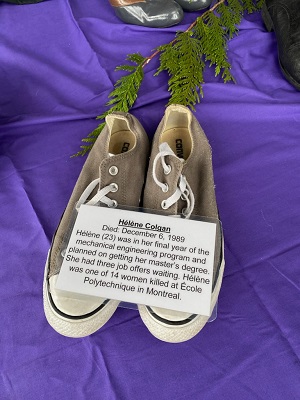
(114,204)
(63,253)
(113,170)
(114,187)
(164,205)
(168,170)
(165,189)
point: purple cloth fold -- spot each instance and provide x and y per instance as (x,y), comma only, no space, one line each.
(57,68)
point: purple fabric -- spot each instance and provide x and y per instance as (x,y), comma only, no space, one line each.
(57,61)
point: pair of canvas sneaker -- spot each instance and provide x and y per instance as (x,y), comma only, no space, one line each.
(179,181)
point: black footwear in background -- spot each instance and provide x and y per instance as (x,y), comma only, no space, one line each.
(283,16)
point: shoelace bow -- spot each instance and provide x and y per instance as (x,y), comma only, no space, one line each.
(183,189)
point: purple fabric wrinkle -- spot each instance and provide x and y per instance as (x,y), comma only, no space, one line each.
(57,63)
(112,47)
(76,73)
(288,344)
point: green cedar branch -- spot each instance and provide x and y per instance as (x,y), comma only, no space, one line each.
(184,59)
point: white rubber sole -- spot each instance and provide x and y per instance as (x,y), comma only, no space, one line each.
(78,327)
(180,333)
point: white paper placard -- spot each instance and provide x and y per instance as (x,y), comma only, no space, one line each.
(140,258)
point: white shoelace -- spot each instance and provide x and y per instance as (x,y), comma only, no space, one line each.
(183,189)
(100,196)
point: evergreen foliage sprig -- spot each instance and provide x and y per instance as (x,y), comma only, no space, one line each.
(184,59)
(122,97)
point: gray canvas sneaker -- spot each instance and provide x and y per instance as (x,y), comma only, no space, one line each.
(180,181)
(112,175)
